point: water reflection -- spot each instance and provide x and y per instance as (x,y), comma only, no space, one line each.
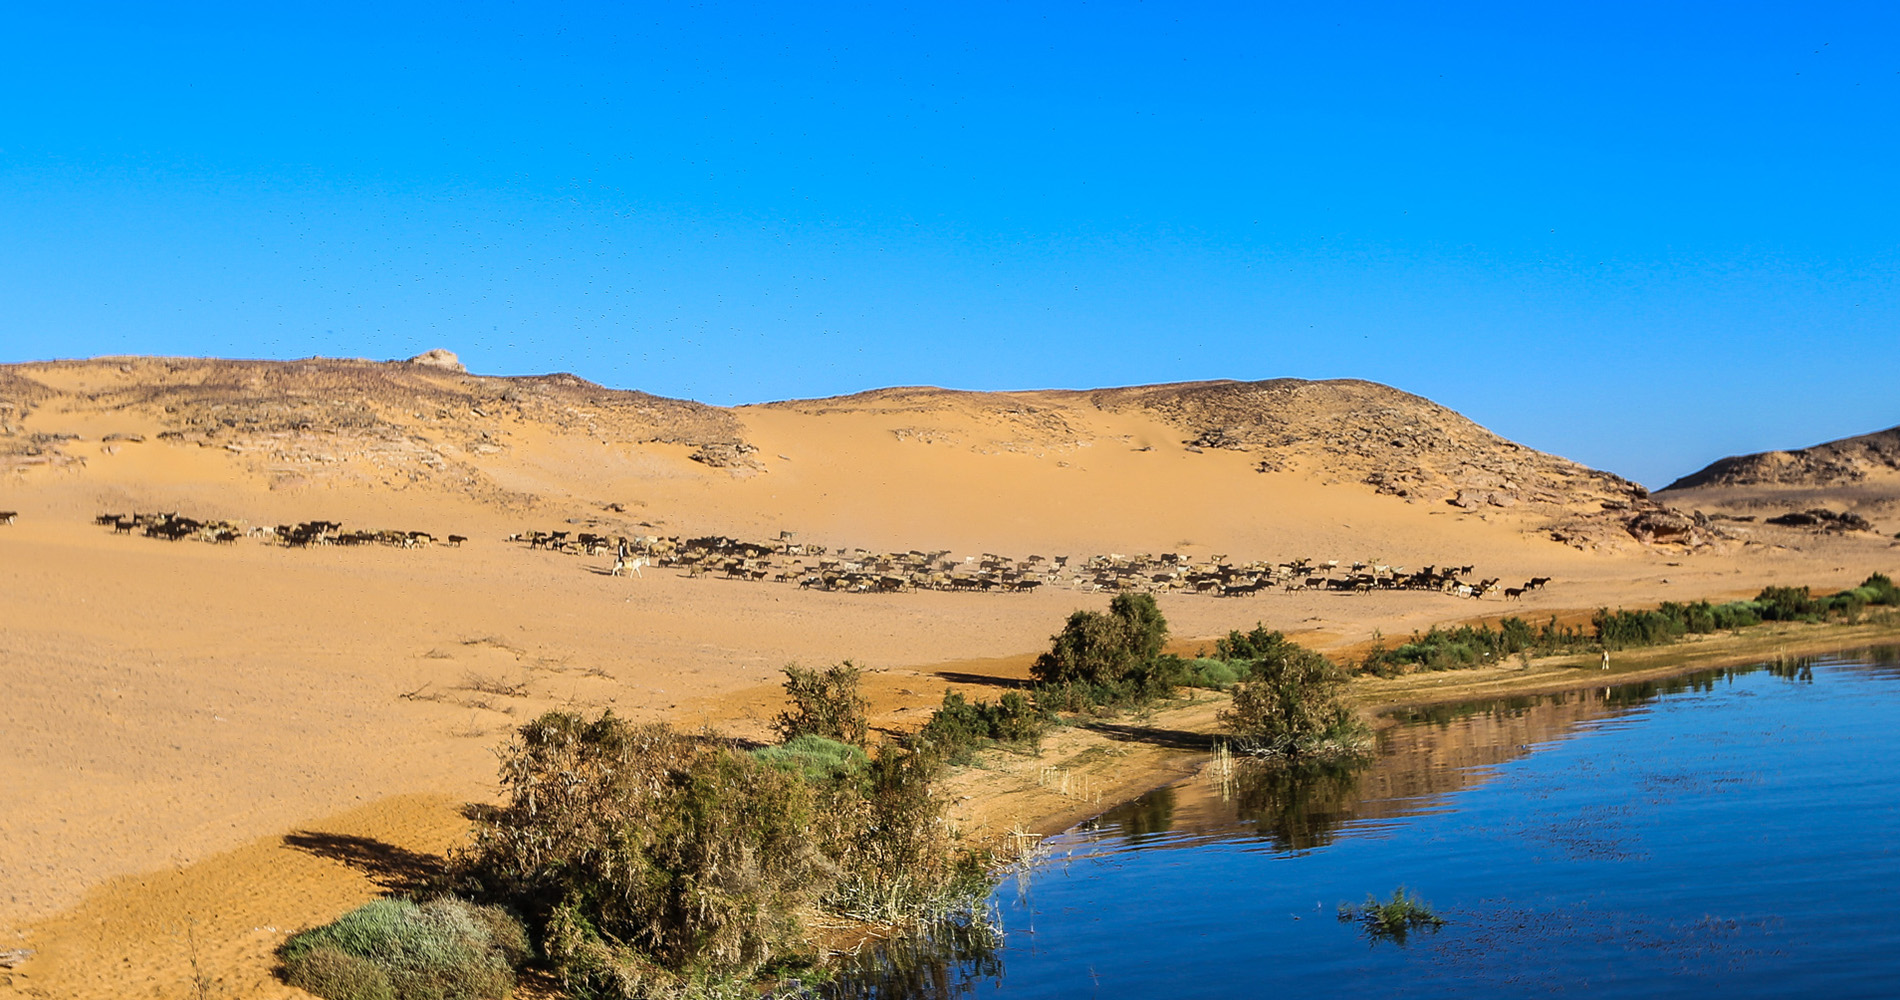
(1296,808)
(1425,754)
(942,961)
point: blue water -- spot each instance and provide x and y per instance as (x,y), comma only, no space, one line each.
(1733,834)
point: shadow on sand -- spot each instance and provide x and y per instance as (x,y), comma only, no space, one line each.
(393,868)
(957,677)
(1173,739)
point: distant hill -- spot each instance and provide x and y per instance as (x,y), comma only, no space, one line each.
(1846,462)
(1344,430)
(1281,461)
(1856,477)
(423,420)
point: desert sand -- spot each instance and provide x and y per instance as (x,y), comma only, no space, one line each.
(207,747)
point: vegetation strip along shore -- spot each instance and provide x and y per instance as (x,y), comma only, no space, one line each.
(646,863)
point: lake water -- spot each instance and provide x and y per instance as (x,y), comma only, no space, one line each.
(1732,833)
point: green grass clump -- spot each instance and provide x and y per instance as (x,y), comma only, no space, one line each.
(394,949)
(1214,675)
(815,758)
(1393,918)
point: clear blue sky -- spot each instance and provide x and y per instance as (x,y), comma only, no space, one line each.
(1640,237)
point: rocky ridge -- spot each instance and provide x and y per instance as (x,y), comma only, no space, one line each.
(1834,463)
(1404,446)
(405,423)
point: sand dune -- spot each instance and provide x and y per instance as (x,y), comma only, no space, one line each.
(171,701)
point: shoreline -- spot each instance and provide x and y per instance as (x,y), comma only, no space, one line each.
(1086,769)
(1550,675)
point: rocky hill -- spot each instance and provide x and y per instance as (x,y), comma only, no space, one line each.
(1850,485)
(1340,432)
(421,421)
(1835,463)
(1399,444)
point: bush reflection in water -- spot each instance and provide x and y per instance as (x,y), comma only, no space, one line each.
(941,962)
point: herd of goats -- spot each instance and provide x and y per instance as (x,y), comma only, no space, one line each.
(174,527)
(859,571)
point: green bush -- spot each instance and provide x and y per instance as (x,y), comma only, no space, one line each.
(1259,644)
(1101,650)
(824,703)
(1476,645)
(1471,645)
(1293,703)
(1786,604)
(960,727)
(1111,660)
(815,758)
(1880,590)
(394,949)
(1621,629)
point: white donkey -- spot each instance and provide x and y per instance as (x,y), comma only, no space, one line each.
(622,564)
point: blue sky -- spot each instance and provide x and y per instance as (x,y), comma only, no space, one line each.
(1638,237)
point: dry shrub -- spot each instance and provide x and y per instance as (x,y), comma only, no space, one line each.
(338,975)
(657,864)
(645,856)
(894,856)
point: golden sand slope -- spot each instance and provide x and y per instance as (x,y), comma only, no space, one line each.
(167,703)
